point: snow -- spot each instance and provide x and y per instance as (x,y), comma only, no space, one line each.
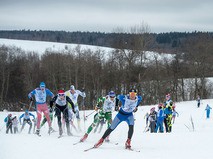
(182,143)
(41,46)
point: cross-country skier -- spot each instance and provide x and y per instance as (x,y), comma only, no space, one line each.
(41,94)
(160,119)
(8,121)
(15,124)
(174,114)
(60,101)
(130,104)
(168,113)
(105,106)
(73,95)
(152,119)
(198,101)
(26,115)
(208,109)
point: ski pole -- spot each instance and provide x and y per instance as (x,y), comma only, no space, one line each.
(2,127)
(90,114)
(31,102)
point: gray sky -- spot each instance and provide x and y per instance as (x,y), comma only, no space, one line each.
(106,15)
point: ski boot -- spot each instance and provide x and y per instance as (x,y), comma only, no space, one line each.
(60,131)
(99,143)
(50,130)
(37,132)
(84,138)
(107,139)
(128,144)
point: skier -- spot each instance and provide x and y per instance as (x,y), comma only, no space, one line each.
(174,114)
(26,119)
(168,113)
(8,121)
(198,101)
(130,104)
(41,94)
(152,119)
(15,124)
(160,119)
(73,95)
(208,109)
(105,106)
(60,101)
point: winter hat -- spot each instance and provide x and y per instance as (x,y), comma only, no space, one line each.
(132,90)
(111,94)
(42,84)
(61,91)
(72,87)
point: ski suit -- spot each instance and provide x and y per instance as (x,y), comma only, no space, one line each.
(26,119)
(41,105)
(61,107)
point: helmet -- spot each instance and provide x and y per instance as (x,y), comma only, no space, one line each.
(72,87)
(111,94)
(42,84)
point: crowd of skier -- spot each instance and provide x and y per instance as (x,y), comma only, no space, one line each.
(64,106)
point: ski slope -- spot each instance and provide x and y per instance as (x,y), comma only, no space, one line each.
(182,143)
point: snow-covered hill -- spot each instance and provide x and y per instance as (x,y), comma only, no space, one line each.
(182,143)
(41,46)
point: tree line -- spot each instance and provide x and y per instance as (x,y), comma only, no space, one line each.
(158,42)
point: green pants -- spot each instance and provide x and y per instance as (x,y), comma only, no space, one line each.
(98,117)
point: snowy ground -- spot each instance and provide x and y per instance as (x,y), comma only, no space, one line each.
(180,144)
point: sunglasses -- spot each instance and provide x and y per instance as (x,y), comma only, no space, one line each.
(112,96)
(61,95)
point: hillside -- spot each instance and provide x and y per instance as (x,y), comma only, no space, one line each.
(162,42)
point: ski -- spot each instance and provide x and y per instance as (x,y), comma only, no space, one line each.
(77,142)
(60,136)
(89,149)
(130,149)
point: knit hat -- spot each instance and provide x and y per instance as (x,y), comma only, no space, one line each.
(61,91)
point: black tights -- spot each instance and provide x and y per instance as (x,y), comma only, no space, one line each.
(109,130)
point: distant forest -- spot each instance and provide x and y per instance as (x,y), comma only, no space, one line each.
(162,42)
(126,66)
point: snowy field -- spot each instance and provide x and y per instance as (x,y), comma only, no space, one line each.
(41,46)
(182,143)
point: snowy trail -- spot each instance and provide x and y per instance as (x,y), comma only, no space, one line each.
(181,143)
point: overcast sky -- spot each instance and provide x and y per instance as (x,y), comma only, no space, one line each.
(106,15)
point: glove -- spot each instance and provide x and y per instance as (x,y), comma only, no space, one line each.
(83,90)
(31,99)
(74,111)
(51,110)
(116,108)
(135,110)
